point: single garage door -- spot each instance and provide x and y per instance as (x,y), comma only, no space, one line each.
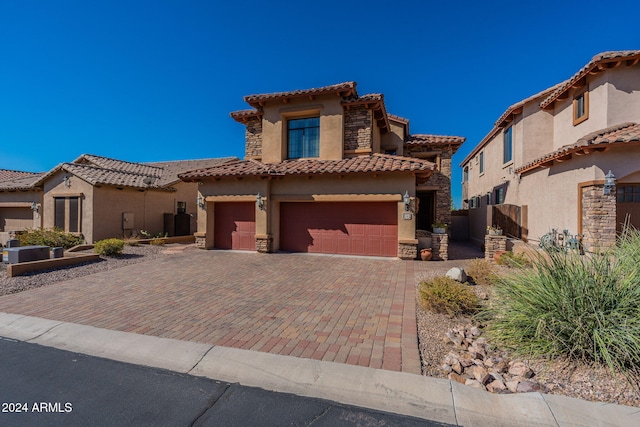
(350,228)
(235,225)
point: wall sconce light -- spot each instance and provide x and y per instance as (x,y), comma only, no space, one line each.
(609,182)
(260,202)
(406,199)
(35,206)
(200,202)
(67,181)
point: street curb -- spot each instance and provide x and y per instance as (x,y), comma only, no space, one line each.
(428,398)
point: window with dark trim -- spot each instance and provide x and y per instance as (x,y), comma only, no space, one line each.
(499,195)
(481,162)
(628,194)
(66,214)
(507,145)
(465,174)
(303,137)
(581,108)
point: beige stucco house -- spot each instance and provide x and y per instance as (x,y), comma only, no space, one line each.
(326,171)
(99,198)
(549,154)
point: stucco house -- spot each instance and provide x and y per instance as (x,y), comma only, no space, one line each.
(325,171)
(548,157)
(99,197)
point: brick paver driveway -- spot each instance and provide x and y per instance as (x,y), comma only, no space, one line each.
(359,311)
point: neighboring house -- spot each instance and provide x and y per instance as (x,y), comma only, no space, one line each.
(549,154)
(325,171)
(99,198)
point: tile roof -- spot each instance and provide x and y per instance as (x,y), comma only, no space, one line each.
(619,134)
(346,88)
(6,174)
(120,165)
(171,169)
(242,115)
(598,63)
(374,163)
(22,183)
(95,175)
(427,139)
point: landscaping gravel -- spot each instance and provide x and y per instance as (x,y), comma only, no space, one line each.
(130,255)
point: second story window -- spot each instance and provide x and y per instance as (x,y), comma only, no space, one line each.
(507,145)
(580,108)
(465,174)
(303,137)
(481,162)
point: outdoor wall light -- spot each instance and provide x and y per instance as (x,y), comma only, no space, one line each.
(609,182)
(406,199)
(260,202)
(200,202)
(35,206)
(67,181)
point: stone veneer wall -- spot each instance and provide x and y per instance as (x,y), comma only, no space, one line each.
(493,244)
(357,128)
(253,138)
(201,242)
(407,251)
(442,179)
(264,244)
(598,218)
(440,246)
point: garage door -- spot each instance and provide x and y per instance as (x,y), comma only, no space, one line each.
(352,228)
(235,225)
(15,219)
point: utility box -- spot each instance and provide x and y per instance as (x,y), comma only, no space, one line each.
(127,221)
(26,254)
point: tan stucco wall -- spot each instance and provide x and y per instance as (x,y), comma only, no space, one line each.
(274,127)
(54,186)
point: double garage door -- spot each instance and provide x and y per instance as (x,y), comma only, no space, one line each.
(349,228)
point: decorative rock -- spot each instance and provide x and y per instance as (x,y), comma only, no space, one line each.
(496,386)
(455,377)
(457,274)
(512,386)
(480,374)
(457,367)
(446,368)
(528,387)
(521,370)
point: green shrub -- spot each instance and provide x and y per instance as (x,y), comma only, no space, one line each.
(109,247)
(581,307)
(49,237)
(512,260)
(481,271)
(157,241)
(445,295)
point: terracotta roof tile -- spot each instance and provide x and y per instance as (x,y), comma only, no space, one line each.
(375,163)
(6,174)
(120,165)
(103,176)
(348,88)
(171,169)
(427,139)
(22,183)
(242,115)
(618,134)
(597,61)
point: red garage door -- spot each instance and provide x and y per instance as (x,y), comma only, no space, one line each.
(235,225)
(351,228)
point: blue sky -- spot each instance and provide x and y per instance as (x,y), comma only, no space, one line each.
(151,80)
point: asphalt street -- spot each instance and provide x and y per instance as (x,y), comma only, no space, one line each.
(44,386)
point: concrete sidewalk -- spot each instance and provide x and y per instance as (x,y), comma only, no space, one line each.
(397,392)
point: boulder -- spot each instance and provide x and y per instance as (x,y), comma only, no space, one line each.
(457,274)
(496,386)
(520,369)
(481,374)
(458,378)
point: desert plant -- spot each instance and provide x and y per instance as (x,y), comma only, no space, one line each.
(445,295)
(109,247)
(49,237)
(512,260)
(481,271)
(581,307)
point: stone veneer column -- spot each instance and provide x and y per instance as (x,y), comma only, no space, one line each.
(201,240)
(440,246)
(598,218)
(357,128)
(253,138)
(493,244)
(408,250)
(264,244)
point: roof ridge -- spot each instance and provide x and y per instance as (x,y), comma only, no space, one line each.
(115,160)
(102,168)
